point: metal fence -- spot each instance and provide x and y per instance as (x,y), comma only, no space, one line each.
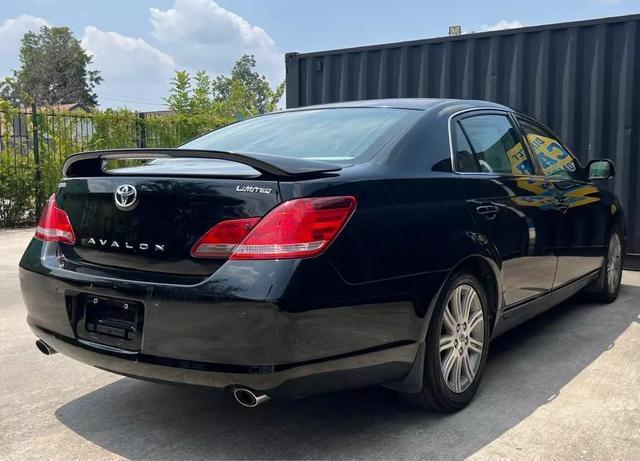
(34,144)
(23,131)
(582,79)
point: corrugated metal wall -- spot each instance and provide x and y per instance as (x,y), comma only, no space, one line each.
(582,79)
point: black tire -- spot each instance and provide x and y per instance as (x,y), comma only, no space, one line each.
(436,394)
(610,287)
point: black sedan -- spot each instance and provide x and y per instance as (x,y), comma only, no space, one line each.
(324,248)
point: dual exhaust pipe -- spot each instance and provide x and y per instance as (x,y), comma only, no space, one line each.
(245,397)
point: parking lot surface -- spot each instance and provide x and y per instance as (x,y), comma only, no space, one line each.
(566,385)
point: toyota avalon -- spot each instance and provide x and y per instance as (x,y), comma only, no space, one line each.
(323,248)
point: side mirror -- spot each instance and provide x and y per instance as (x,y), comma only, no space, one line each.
(600,169)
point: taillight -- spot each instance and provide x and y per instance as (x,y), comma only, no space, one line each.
(223,238)
(54,224)
(299,228)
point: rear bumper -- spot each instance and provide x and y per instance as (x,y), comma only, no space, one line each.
(368,368)
(266,325)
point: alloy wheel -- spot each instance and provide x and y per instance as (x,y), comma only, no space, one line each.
(614,263)
(461,338)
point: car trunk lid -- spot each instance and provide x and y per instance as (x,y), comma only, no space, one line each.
(147,217)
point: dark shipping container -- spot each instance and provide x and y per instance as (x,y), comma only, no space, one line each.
(582,79)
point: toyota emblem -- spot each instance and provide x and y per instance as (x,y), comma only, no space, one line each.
(125,197)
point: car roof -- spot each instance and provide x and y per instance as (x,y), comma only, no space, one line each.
(411,103)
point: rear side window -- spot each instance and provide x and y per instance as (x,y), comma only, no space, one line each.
(553,157)
(490,144)
(466,159)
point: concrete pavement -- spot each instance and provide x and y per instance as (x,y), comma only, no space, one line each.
(566,385)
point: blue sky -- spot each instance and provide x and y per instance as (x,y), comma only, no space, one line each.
(138,44)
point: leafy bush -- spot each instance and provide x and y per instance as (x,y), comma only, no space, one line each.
(211,103)
(17,186)
(63,134)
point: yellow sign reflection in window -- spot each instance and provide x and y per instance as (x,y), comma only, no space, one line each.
(555,160)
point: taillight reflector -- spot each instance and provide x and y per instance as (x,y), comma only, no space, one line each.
(54,224)
(222,239)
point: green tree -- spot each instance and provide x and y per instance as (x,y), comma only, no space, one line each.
(239,103)
(9,90)
(264,99)
(179,98)
(201,99)
(53,70)
(244,93)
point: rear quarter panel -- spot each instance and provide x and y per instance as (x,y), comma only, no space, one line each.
(404,238)
(401,227)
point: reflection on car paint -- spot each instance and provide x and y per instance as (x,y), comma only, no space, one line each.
(542,193)
(575,195)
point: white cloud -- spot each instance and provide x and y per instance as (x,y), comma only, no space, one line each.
(11,33)
(121,54)
(203,35)
(12,30)
(501,25)
(135,73)
(192,35)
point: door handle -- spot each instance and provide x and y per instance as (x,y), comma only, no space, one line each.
(488,211)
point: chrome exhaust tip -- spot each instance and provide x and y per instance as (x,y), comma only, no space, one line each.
(247,398)
(45,348)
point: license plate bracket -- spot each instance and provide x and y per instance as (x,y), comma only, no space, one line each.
(110,321)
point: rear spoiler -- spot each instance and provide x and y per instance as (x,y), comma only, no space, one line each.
(90,163)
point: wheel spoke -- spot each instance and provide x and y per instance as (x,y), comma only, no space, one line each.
(475,345)
(456,304)
(468,302)
(468,369)
(448,319)
(457,374)
(448,363)
(476,320)
(611,275)
(446,342)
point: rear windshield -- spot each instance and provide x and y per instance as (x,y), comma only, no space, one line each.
(344,135)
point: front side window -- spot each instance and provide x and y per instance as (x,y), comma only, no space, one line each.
(554,159)
(490,144)
(340,135)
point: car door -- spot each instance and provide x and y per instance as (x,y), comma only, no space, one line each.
(581,213)
(511,203)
